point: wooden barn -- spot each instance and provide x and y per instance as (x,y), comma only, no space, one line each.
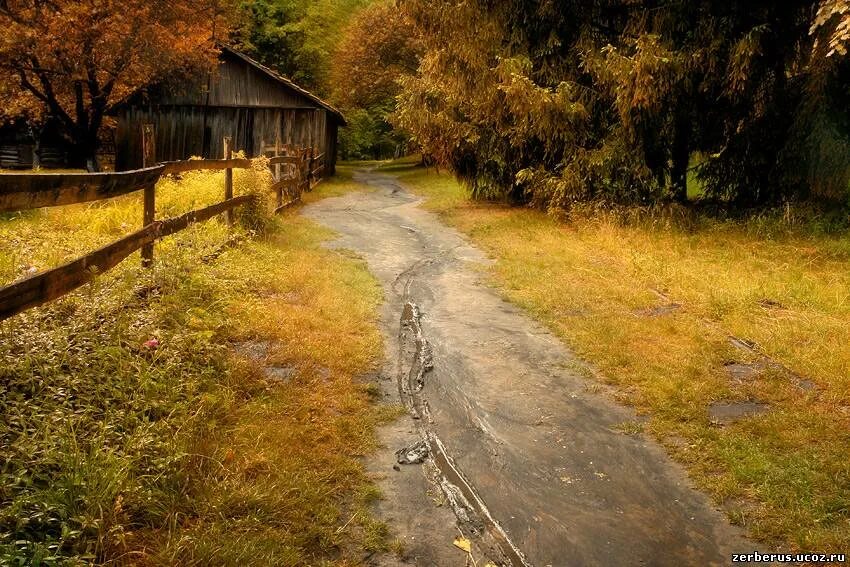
(245,100)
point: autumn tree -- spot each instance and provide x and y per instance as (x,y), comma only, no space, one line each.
(378,48)
(295,37)
(74,61)
(557,102)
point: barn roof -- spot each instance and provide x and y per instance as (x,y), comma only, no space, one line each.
(285,81)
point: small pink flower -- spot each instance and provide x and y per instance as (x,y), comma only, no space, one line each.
(151,344)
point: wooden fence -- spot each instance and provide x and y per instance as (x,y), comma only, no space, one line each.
(295,170)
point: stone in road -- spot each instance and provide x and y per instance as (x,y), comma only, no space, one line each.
(529,457)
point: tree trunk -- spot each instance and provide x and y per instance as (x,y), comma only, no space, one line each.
(92,140)
(92,164)
(680,155)
(87,146)
(37,131)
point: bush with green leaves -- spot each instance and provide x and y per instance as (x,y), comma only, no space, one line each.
(557,103)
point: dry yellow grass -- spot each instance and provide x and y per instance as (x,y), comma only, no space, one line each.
(784,474)
(192,454)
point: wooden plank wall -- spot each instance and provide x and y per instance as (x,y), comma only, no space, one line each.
(181,131)
(237,84)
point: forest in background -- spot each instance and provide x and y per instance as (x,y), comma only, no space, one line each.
(548,103)
(636,102)
(557,103)
(322,45)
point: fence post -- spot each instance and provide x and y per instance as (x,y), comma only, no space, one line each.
(149,211)
(278,167)
(305,165)
(228,179)
(310,169)
(299,153)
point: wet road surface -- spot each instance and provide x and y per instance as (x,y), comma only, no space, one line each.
(522,451)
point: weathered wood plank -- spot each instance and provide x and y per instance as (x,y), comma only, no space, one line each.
(22,191)
(285,159)
(52,284)
(149,199)
(228,177)
(205,165)
(176,224)
(55,283)
(284,183)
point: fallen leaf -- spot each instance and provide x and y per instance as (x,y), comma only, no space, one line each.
(464,544)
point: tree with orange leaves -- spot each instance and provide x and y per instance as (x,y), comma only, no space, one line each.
(74,61)
(378,48)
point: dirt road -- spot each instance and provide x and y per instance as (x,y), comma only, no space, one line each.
(533,461)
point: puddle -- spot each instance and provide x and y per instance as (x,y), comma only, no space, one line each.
(743,372)
(258,351)
(280,373)
(465,501)
(724,413)
(423,361)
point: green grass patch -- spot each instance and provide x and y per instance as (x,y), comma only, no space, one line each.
(776,279)
(189,453)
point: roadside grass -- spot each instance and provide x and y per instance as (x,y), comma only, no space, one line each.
(778,282)
(189,453)
(341,184)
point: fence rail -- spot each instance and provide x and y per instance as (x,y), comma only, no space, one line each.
(205,164)
(54,283)
(22,191)
(293,169)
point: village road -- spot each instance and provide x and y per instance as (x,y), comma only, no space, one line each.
(528,454)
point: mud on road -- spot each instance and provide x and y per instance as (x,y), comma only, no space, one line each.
(522,457)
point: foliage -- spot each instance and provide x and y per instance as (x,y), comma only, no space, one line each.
(378,46)
(368,135)
(377,49)
(351,52)
(72,62)
(295,37)
(557,104)
(270,31)
(831,28)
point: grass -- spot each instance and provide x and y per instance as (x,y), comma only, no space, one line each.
(189,453)
(783,285)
